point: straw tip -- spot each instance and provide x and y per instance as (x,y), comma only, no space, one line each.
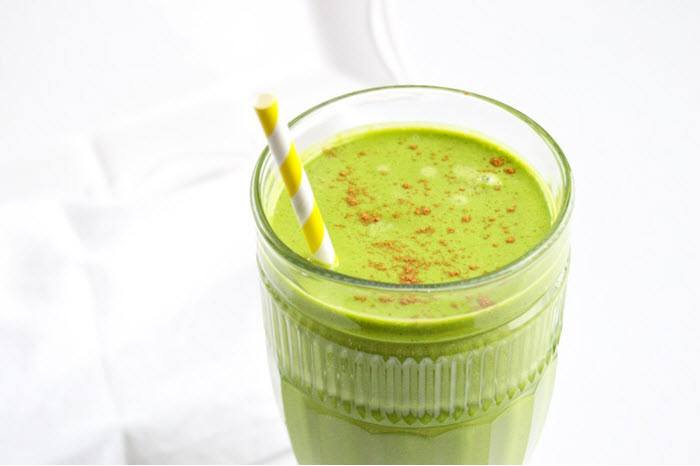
(264,100)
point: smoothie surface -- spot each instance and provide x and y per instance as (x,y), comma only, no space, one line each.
(420,205)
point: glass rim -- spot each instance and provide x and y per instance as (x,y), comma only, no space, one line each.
(561,220)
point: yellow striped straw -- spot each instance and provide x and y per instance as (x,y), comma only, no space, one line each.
(295,179)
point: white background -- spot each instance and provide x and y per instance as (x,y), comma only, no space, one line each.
(129,315)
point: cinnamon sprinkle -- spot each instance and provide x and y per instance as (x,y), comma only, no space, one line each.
(367,218)
(408,300)
(390,245)
(484,301)
(377,266)
(497,161)
(409,275)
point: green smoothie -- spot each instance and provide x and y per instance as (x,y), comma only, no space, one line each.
(421,205)
(396,367)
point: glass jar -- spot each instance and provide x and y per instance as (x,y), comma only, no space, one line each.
(472,388)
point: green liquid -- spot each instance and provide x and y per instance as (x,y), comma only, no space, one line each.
(420,205)
(416,205)
(321,436)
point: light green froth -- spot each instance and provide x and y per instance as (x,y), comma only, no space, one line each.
(420,205)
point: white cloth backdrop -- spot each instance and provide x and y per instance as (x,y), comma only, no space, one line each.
(129,320)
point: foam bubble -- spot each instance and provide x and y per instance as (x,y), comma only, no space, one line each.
(467,173)
(489,179)
(428,171)
(459,199)
(383,169)
(379,228)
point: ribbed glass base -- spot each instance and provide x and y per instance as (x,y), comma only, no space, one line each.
(505,435)
(481,401)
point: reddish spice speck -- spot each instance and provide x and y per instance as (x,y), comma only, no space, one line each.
(390,245)
(497,161)
(408,300)
(351,200)
(377,266)
(413,146)
(366,218)
(509,170)
(484,301)
(453,273)
(409,278)
(510,239)
(466,218)
(343,173)
(427,230)
(511,209)
(473,267)
(406,186)
(422,210)
(450,230)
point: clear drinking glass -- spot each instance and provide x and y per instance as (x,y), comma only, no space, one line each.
(471,388)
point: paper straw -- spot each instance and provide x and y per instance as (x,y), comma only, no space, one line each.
(295,179)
